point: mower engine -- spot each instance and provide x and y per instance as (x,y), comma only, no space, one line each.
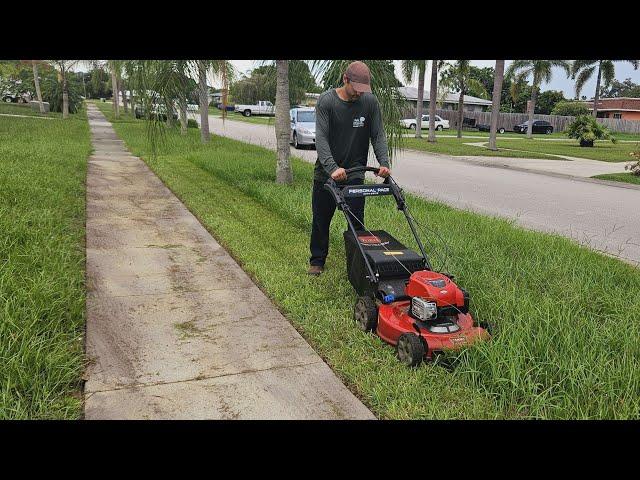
(435,296)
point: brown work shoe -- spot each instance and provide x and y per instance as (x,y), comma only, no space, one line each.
(315,270)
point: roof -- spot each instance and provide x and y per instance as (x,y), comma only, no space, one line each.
(622,103)
(411,93)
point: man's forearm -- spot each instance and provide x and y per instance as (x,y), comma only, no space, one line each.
(324,154)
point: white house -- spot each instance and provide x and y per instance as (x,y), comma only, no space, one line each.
(471,104)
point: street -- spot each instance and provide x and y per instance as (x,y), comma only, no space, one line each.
(603,217)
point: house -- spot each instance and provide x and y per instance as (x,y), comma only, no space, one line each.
(624,108)
(470,104)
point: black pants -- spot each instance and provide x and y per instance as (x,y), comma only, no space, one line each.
(324,206)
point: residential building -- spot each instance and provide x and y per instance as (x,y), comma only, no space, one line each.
(450,102)
(623,108)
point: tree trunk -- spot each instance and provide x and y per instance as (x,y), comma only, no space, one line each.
(36,80)
(596,97)
(65,96)
(460,110)
(183,116)
(421,72)
(204,101)
(284,175)
(433,97)
(532,108)
(495,107)
(169,112)
(116,100)
(124,96)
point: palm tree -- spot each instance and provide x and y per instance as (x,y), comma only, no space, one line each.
(458,76)
(114,67)
(409,67)
(36,80)
(284,174)
(541,71)
(495,107)
(203,98)
(433,98)
(606,71)
(63,67)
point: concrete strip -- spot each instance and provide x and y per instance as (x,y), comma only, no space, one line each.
(175,328)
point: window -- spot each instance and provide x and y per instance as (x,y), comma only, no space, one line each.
(617,115)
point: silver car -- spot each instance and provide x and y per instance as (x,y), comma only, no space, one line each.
(303,126)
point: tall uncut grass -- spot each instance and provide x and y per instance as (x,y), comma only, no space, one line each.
(568,344)
(42,199)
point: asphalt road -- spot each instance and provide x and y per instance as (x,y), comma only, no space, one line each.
(603,217)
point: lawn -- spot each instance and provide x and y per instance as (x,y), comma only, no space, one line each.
(42,258)
(452,132)
(620,177)
(567,345)
(457,147)
(25,109)
(535,148)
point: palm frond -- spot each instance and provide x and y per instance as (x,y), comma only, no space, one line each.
(583,77)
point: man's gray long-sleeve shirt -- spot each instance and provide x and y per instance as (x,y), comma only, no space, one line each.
(343,131)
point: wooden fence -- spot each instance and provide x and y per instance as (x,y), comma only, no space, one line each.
(508,120)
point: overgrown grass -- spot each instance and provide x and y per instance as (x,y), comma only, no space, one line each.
(42,201)
(452,132)
(620,177)
(569,341)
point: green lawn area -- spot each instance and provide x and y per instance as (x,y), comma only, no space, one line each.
(620,177)
(456,147)
(42,262)
(452,132)
(603,151)
(535,148)
(568,345)
(25,109)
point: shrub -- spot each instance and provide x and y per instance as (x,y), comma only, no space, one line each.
(587,130)
(52,93)
(191,123)
(634,167)
(569,108)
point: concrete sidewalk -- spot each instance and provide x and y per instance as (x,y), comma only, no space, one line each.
(175,328)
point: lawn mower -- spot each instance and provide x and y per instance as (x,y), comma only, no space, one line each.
(409,305)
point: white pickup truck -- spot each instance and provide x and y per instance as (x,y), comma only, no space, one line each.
(264,107)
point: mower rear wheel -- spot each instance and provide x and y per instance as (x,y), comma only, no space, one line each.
(410,349)
(365,313)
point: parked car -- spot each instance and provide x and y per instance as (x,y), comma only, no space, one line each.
(263,107)
(229,108)
(303,126)
(539,126)
(157,110)
(483,127)
(8,97)
(411,122)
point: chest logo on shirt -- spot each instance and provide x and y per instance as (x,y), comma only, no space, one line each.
(358,122)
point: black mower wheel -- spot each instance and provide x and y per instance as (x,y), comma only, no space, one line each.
(490,327)
(365,313)
(410,349)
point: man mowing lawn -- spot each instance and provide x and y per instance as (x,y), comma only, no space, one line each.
(346,119)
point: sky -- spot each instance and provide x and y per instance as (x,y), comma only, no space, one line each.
(559,81)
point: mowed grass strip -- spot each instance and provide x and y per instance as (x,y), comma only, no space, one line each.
(569,340)
(524,148)
(42,202)
(620,177)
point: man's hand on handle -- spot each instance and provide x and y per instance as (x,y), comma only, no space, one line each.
(384,172)
(339,175)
